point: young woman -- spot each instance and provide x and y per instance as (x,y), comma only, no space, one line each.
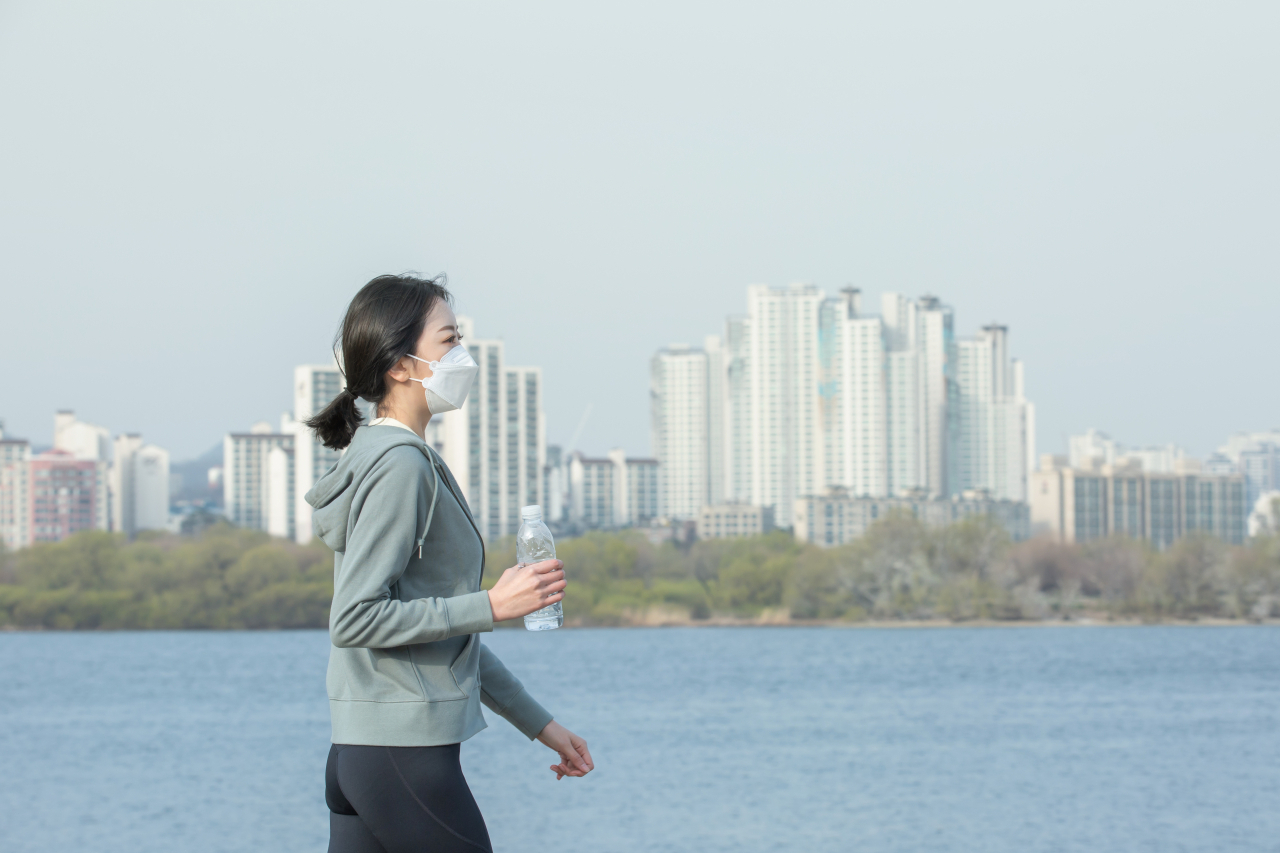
(407,671)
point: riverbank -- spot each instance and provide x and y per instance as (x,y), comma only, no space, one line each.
(898,575)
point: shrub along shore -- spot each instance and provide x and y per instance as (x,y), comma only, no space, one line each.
(899,573)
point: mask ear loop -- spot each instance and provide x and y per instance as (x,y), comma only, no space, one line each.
(432,364)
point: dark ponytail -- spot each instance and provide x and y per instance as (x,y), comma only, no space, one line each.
(382,325)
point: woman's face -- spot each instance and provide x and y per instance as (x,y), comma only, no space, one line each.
(439,335)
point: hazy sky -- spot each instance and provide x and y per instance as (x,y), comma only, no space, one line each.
(190,194)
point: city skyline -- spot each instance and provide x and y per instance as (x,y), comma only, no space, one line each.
(809,391)
(43,436)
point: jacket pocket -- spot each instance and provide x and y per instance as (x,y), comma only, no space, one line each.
(374,675)
(466,669)
(436,664)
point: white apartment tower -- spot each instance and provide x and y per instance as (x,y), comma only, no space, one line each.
(681,401)
(150,488)
(854,396)
(995,422)
(919,338)
(121,477)
(139,486)
(735,405)
(314,387)
(783,374)
(252,496)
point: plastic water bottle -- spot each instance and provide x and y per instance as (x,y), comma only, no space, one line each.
(533,545)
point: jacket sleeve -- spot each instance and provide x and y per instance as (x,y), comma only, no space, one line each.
(380,540)
(503,694)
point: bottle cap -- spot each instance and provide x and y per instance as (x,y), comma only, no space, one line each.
(531,512)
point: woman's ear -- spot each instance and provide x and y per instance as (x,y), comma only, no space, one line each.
(400,372)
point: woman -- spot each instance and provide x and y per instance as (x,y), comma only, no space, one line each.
(407,671)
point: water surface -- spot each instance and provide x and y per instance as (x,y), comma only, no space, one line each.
(734,739)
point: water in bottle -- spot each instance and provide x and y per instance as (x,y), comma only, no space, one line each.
(533,545)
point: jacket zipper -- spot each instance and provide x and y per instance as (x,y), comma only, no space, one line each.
(465,511)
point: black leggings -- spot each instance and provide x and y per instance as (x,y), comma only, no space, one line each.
(397,799)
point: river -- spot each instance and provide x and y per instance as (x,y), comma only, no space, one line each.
(705,739)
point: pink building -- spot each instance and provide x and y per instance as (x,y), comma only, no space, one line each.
(65,496)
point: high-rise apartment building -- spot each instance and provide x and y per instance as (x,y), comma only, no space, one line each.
(121,483)
(681,400)
(259,483)
(495,444)
(735,435)
(855,396)
(994,421)
(139,481)
(314,387)
(66,496)
(15,492)
(784,372)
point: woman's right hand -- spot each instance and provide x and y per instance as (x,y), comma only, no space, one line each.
(523,589)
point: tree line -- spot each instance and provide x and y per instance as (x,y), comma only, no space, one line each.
(227,578)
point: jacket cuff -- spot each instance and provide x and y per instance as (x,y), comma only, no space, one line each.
(469,614)
(527,715)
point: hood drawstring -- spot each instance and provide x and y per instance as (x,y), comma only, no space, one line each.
(435,494)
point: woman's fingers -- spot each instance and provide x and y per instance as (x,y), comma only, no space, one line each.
(581,746)
(569,768)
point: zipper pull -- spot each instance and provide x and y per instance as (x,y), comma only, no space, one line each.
(419,550)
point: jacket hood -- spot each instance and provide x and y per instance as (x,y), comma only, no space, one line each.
(333,493)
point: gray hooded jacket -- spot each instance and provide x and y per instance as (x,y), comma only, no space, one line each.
(407,667)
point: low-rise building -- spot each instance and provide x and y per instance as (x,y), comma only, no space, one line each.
(729,521)
(616,491)
(838,518)
(1082,505)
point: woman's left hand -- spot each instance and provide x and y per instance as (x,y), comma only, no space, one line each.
(575,760)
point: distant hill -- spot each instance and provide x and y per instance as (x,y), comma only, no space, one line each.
(189,480)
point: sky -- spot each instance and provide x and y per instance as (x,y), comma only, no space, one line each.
(190,194)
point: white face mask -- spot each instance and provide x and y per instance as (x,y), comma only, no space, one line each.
(450,380)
